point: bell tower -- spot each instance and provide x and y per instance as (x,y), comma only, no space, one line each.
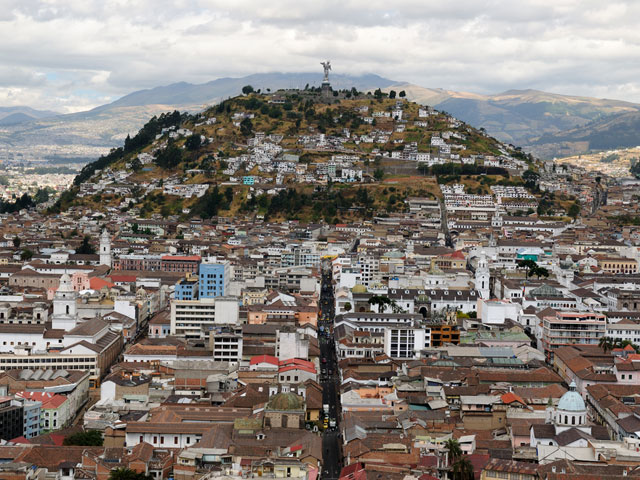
(483,276)
(105,248)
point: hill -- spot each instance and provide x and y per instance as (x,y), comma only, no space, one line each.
(21,114)
(294,154)
(95,132)
(545,124)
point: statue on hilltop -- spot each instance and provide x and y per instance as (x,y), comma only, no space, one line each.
(327,66)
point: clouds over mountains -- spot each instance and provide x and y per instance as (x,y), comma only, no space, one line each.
(73,55)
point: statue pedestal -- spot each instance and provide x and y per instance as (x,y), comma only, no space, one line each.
(326,89)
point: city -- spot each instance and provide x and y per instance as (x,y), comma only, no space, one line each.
(242,240)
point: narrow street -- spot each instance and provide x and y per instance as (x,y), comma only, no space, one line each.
(332,457)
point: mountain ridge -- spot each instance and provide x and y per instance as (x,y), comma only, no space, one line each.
(546,124)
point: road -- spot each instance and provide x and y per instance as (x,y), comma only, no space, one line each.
(331,451)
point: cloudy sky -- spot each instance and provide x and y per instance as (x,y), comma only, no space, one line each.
(70,55)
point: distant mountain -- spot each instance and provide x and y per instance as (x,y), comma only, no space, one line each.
(544,123)
(198,95)
(15,115)
(94,132)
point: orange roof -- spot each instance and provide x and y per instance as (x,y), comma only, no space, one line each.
(49,400)
(264,359)
(97,283)
(512,397)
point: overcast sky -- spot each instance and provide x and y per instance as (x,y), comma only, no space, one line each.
(70,55)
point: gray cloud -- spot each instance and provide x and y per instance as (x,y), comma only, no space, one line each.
(75,54)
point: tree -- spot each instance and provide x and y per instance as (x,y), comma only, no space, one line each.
(380,301)
(247,89)
(453,447)
(606,344)
(193,142)
(529,265)
(378,174)
(169,158)
(402,94)
(16,242)
(127,474)
(574,210)
(463,469)
(347,307)
(86,248)
(26,255)
(136,165)
(246,127)
(392,94)
(92,438)
(541,272)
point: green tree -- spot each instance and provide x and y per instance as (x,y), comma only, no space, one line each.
(127,474)
(453,447)
(347,307)
(606,344)
(193,142)
(16,242)
(378,174)
(26,255)
(136,165)
(528,265)
(247,89)
(392,94)
(86,248)
(402,94)
(246,127)
(170,157)
(463,469)
(92,438)
(574,210)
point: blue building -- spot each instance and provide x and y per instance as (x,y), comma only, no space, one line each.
(214,278)
(32,413)
(186,289)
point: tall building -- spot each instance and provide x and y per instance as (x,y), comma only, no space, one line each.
(187,288)
(11,418)
(105,248)
(197,318)
(571,328)
(406,342)
(64,305)
(214,277)
(482,277)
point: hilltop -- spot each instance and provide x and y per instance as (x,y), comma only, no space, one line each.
(543,123)
(292,154)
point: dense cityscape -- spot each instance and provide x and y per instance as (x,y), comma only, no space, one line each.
(486,329)
(224,256)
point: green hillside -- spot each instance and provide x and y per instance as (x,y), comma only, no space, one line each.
(202,149)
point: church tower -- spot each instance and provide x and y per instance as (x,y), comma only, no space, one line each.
(105,248)
(64,305)
(482,276)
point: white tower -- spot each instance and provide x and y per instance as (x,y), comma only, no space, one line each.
(64,305)
(105,248)
(483,276)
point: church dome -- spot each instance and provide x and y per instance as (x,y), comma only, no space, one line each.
(572,401)
(359,289)
(285,401)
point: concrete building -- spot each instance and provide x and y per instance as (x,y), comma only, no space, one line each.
(213,278)
(570,328)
